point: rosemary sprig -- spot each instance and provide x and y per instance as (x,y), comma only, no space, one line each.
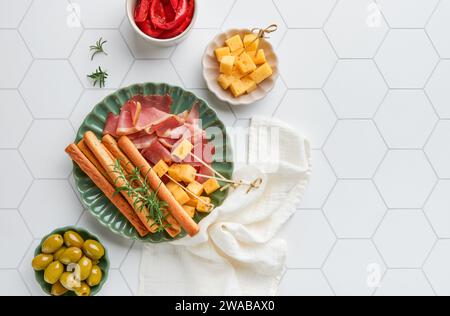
(98,48)
(99,76)
(143,195)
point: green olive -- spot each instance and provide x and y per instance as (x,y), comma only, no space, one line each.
(93,249)
(69,281)
(59,252)
(58,289)
(95,277)
(53,272)
(85,265)
(71,255)
(52,243)
(83,290)
(41,261)
(73,239)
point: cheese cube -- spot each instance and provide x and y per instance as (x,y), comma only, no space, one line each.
(180,195)
(202,205)
(252,54)
(237,74)
(251,42)
(183,149)
(260,57)
(225,81)
(262,73)
(235,43)
(195,188)
(161,168)
(245,64)
(250,84)
(175,172)
(192,202)
(226,65)
(221,52)
(190,210)
(211,186)
(238,88)
(238,52)
(187,173)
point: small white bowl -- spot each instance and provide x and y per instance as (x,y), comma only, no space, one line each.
(131,5)
(211,70)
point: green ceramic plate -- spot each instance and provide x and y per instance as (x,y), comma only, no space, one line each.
(98,203)
(103,264)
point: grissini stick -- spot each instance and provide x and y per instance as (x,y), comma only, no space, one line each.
(107,162)
(89,155)
(173,228)
(103,184)
(188,224)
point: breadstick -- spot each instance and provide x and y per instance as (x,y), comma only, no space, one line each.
(189,225)
(89,155)
(110,143)
(102,183)
(104,157)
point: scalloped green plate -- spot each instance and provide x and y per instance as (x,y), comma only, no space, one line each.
(98,204)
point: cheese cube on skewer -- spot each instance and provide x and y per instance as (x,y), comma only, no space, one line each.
(211,186)
(203,205)
(175,172)
(179,194)
(183,149)
(251,42)
(195,188)
(187,173)
(260,57)
(190,210)
(161,168)
(192,202)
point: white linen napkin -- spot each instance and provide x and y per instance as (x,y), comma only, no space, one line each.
(235,252)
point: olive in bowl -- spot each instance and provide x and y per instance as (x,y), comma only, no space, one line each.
(71,262)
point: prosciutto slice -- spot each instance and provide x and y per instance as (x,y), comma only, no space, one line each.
(156,152)
(159,102)
(167,142)
(151,117)
(142,140)
(111,125)
(125,125)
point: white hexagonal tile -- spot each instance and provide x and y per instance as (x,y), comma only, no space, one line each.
(304,283)
(407,13)
(436,268)
(405,283)
(355,149)
(354,209)
(406,119)
(131,265)
(116,285)
(43,148)
(306,58)
(438,150)
(305,13)
(139,47)
(191,72)
(438,26)
(14,230)
(15,178)
(322,181)
(112,12)
(405,179)
(356,28)
(152,71)
(438,89)
(311,240)
(211,14)
(267,13)
(85,105)
(355,88)
(354,268)
(437,208)
(15,59)
(51,89)
(223,109)
(50,29)
(12,12)
(15,119)
(116,63)
(264,107)
(407,58)
(11,284)
(310,112)
(405,238)
(117,245)
(27,271)
(50,204)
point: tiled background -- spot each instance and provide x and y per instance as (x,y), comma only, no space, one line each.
(369,87)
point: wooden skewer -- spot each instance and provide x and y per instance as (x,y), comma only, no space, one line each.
(187,190)
(208,166)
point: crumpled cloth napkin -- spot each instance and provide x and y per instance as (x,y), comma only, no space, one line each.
(236,252)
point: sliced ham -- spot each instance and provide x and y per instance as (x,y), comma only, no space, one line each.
(159,102)
(111,125)
(125,125)
(142,140)
(169,124)
(204,171)
(177,133)
(167,142)
(156,152)
(194,114)
(151,117)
